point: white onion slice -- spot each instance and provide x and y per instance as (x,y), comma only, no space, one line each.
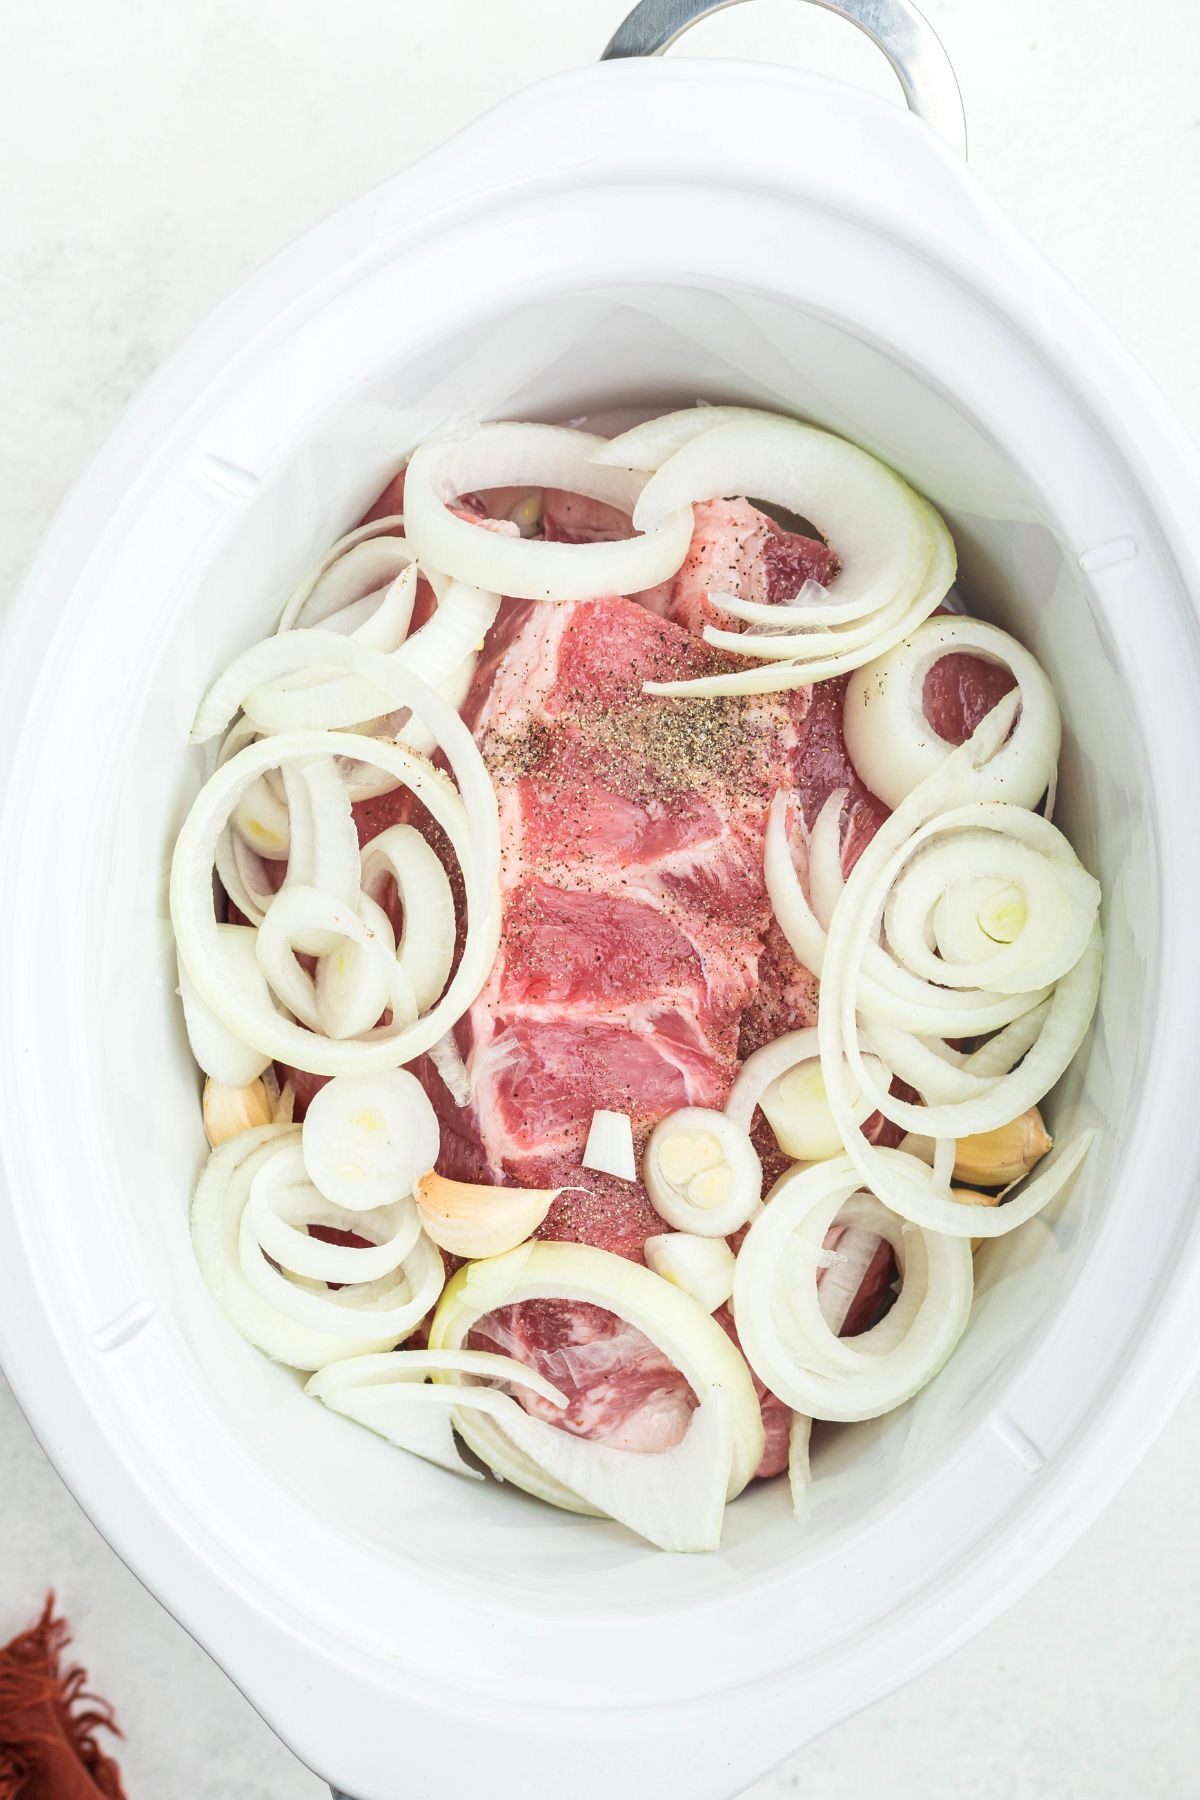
(649,445)
(318,680)
(242,875)
(360,978)
(426,948)
(368,1138)
(667,1497)
(283,1202)
(1059,911)
(897,556)
(799,1466)
(313,672)
(468,818)
(217,1211)
(404,1366)
(784,1078)
(357,976)
(458,627)
(389,1395)
(894,747)
(675,1498)
(787,1341)
(316,597)
(367,593)
(786,662)
(261,820)
(453,690)
(323,853)
(885,993)
(765,1066)
(609,1147)
(702,1173)
(447,1059)
(393,1305)
(519,455)
(701,1266)
(220,1053)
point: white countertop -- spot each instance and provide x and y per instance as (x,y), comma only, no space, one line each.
(154,155)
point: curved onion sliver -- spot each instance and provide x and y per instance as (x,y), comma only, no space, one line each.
(885,992)
(674,1498)
(897,557)
(315,598)
(798,1113)
(648,446)
(323,852)
(785,1337)
(470,822)
(283,1201)
(1052,939)
(893,746)
(220,1053)
(426,948)
(517,455)
(357,977)
(788,662)
(287,1319)
(389,1395)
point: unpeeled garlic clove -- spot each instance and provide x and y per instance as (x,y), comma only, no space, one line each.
(473,1220)
(228,1110)
(994,1158)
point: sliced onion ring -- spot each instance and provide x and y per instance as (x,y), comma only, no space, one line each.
(782,1331)
(517,455)
(897,556)
(818,655)
(653,1493)
(220,1053)
(427,933)
(893,746)
(702,1173)
(987,1096)
(803,1125)
(649,445)
(283,1201)
(886,994)
(368,1138)
(314,599)
(218,1207)
(389,1395)
(471,825)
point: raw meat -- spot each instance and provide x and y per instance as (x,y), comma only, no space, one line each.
(621,1390)
(632,889)
(738,550)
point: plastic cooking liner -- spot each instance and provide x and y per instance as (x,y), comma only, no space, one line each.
(639,232)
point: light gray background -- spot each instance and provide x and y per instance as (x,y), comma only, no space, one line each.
(153,154)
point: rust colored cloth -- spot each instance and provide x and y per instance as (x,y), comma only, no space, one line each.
(48,1722)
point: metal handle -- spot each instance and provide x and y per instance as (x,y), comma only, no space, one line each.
(904,35)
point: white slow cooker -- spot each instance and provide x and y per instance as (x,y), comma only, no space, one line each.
(638,232)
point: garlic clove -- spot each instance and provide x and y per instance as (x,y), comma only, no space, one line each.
(995,1158)
(473,1220)
(228,1110)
